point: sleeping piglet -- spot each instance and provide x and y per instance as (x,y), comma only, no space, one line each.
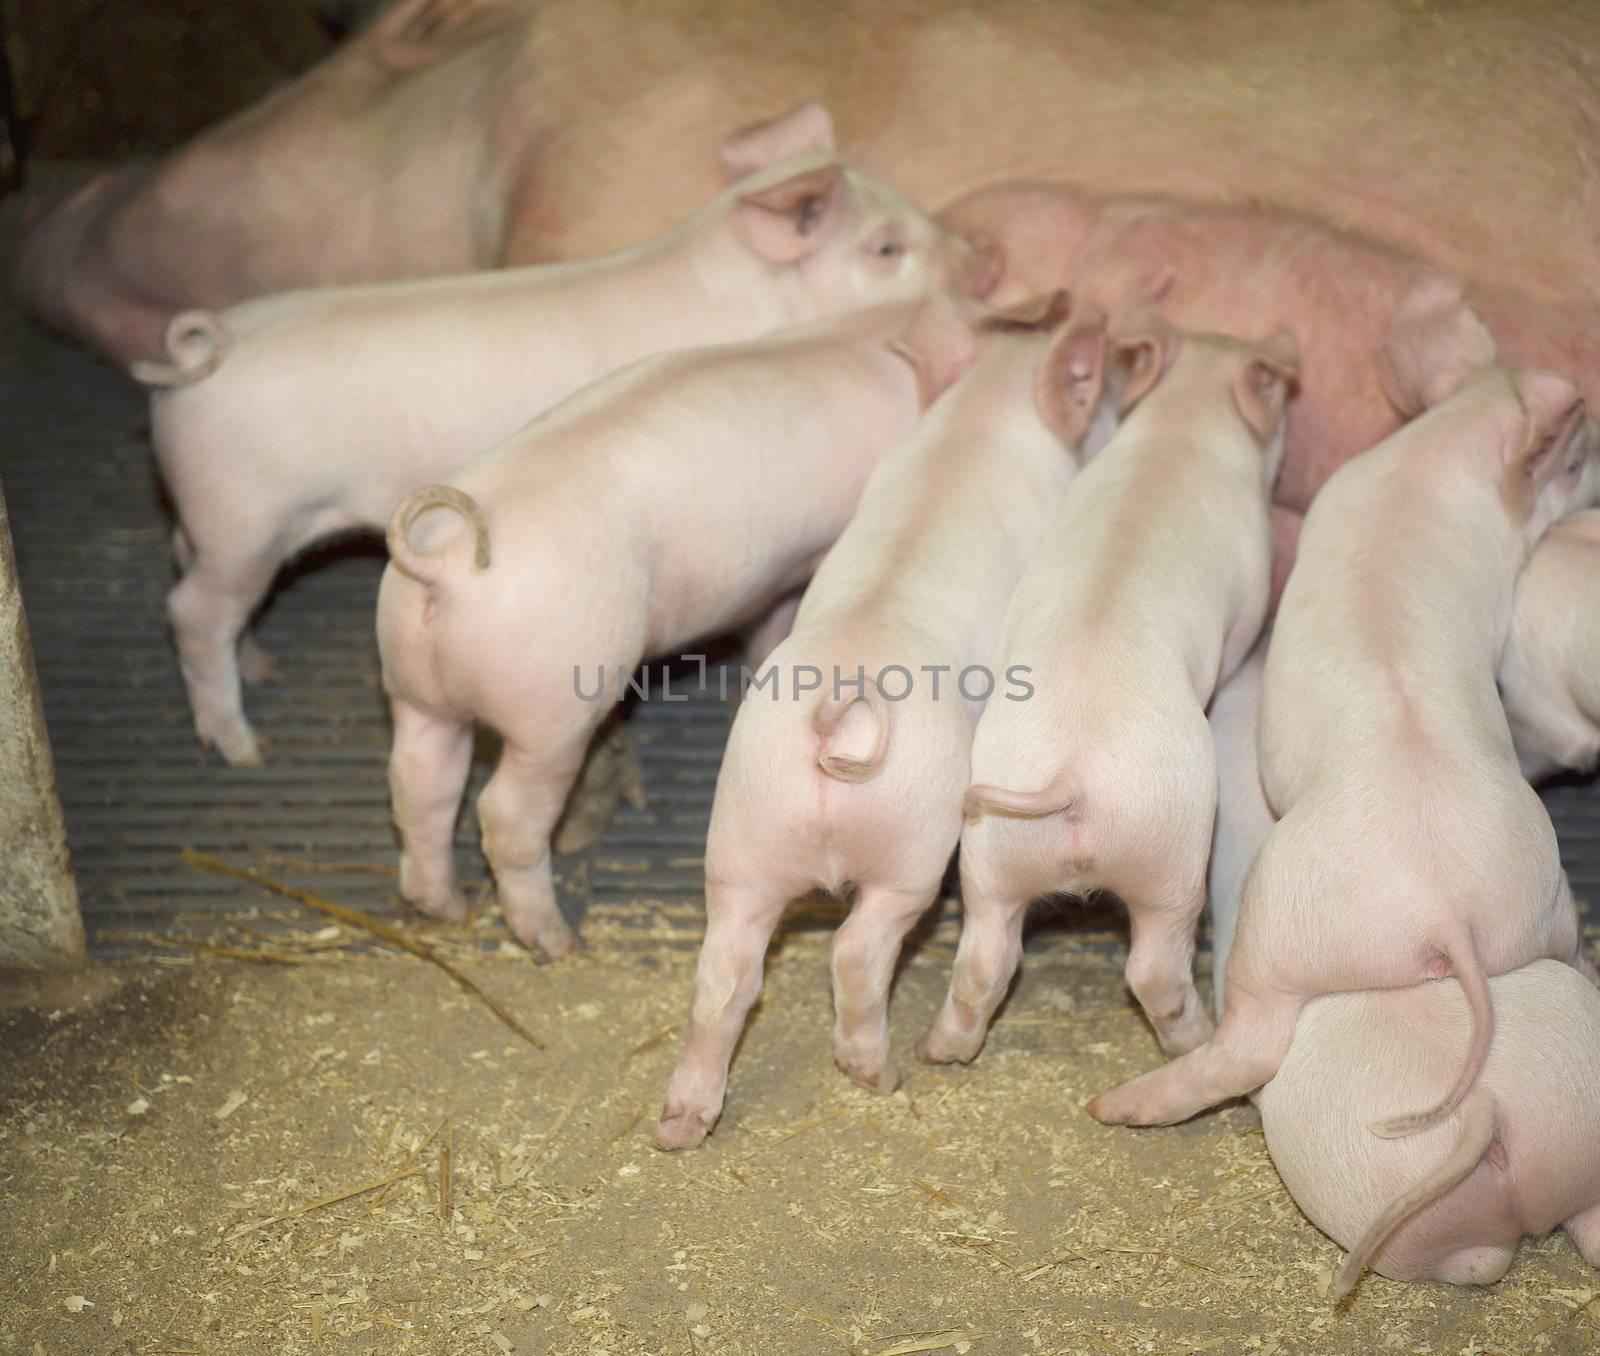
(677,498)
(1550,671)
(1520,1157)
(1409,846)
(289,418)
(1150,584)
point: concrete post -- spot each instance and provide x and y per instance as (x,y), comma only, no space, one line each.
(40,926)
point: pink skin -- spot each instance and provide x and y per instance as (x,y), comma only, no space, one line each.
(1244,270)
(1383,743)
(864,795)
(1360,1058)
(299,190)
(1150,586)
(325,407)
(593,549)
(1550,672)
(1243,816)
(453,136)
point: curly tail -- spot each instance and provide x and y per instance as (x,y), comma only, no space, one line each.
(1479,1126)
(1464,964)
(1060,797)
(419,502)
(195,343)
(825,720)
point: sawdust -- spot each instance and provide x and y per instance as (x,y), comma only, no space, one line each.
(351,1154)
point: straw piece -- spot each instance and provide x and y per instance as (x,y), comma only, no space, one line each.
(627,1125)
(650,1042)
(447,1173)
(935,1193)
(356,918)
(938,1342)
(819,1319)
(1230,1203)
(798,1130)
(326,1201)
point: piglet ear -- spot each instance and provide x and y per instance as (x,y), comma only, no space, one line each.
(806,127)
(1265,382)
(783,222)
(1070,379)
(1553,418)
(1142,350)
(417,33)
(1036,314)
(1434,343)
(940,344)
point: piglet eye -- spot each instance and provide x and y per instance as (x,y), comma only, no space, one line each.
(889,249)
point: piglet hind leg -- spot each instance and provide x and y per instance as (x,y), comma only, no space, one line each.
(428,766)
(256,666)
(1160,968)
(739,925)
(1584,1230)
(208,610)
(517,813)
(864,954)
(1243,1053)
(986,961)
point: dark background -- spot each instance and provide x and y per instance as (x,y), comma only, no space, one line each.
(109,78)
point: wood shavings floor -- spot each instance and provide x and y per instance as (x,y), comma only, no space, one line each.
(221,1156)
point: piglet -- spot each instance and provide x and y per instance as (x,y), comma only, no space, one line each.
(674,499)
(1550,671)
(850,778)
(1243,816)
(1409,846)
(1520,1157)
(1523,1153)
(1150,585)
(289,418)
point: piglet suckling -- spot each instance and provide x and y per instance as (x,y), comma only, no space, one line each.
(1150,585)
(286,419)
(675,499)
(1550,671)
(1409,845)
(854,787)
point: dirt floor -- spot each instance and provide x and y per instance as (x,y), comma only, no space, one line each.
(330,1150)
